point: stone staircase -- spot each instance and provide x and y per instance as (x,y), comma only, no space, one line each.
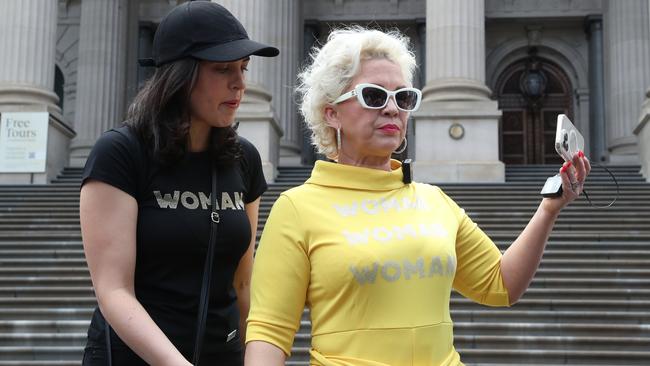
(588,305)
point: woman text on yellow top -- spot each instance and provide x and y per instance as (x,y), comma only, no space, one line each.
(374,258)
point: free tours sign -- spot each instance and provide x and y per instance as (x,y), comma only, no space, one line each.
(23,142)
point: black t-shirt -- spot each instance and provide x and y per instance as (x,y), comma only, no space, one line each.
(173,232)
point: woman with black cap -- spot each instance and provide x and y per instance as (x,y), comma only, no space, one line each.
(169,203)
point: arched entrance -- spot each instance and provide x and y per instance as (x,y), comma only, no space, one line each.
(531,93)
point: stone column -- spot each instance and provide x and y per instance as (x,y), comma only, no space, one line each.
(146,31)
(268,112)
(421,55)
(286,34)
(456,100)
(28,41)
(310,37)
(642,132)
(627,30)
(419,79)
(101,75)
(594,28)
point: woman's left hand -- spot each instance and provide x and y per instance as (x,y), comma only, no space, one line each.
(573,174)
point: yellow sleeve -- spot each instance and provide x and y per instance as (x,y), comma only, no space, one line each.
(478,262)
(281,273)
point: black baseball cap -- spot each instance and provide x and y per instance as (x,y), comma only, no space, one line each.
(206,31)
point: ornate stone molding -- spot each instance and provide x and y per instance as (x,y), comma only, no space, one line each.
(554,49)
(546,8)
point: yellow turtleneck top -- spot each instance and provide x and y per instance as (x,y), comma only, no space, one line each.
(375,260)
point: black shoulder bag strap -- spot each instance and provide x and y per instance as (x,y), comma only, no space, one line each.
(207,271)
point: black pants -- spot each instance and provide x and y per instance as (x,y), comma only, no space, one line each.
(95,355)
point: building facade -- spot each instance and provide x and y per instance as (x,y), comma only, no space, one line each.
(494,73)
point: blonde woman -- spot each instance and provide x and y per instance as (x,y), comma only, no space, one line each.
(373,255)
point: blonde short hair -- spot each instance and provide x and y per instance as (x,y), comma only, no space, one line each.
(334,66)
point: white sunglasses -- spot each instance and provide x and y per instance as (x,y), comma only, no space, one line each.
(373,96)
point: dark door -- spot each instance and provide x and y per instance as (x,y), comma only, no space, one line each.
(528,127)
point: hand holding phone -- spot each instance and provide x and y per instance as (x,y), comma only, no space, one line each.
(568,140)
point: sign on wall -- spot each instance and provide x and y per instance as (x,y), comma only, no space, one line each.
(23,142)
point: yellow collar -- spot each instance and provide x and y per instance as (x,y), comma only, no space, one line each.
(348,176)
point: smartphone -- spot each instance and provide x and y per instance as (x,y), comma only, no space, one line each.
(568,140)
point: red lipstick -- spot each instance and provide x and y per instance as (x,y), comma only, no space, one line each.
(234,103)
(390,128)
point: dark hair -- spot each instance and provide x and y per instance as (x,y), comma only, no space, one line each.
(160,116)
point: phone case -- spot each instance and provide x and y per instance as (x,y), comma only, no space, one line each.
(568,140)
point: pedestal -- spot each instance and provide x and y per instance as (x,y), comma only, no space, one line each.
(472,157)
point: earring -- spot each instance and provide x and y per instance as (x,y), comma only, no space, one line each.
(338,139)
(406,143)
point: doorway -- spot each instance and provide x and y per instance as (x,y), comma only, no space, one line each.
(531,93)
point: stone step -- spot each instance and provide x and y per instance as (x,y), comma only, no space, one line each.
(48,313)
(552,252)
(641,236)
(563,329)
(17,282)
(40,234)
(43,244)
(35,340)
(558,357)
(590,245)
(594,294)
(70,214)
(40,227)
(44,292)
(71,180)
(52,302)
(60,271)
(40,253)
(42,262)
(37,219)
(616,284)
(26,353)
(517,315)
(44,326)
(39,187)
